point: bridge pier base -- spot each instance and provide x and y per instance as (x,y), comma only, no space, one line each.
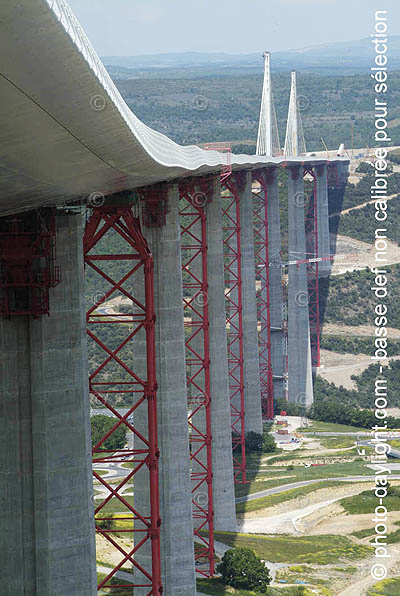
(47,519)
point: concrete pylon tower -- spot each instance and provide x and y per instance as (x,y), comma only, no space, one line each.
(294,142)
(268,136)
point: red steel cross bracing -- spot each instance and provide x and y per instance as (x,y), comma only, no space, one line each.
(230,200)
(27,263)
(261,242)
(311,227)
(116,255)
(194,196)
(333,175)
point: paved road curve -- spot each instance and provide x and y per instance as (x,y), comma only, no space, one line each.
(281,489)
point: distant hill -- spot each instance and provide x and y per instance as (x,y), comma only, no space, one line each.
(175,60)
(340,58)
(334,107)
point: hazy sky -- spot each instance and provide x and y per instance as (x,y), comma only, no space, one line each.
(134,27)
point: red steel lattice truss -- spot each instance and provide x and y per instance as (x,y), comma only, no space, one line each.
(144,528)
(192,208)
(234,318)
(311,226)
(333,176)
(27,263)
(261,241)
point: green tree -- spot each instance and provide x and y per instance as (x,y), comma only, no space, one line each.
(253,442)
(106,522)
(242,569)
(101,424)
(268,443)
(364,168)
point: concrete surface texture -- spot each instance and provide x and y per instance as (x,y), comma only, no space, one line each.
(253,417)
(223,488)
(299,349)
(47,521)
(275,282)
(177,547)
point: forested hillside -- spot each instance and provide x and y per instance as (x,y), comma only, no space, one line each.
(229,108)
(350,301)
(229,112)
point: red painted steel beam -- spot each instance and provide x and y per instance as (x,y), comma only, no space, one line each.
(117,222)
(261,241)
(193,199)
(333,175)
(231,223)
(27,263)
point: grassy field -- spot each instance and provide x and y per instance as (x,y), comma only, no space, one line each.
(366,502)
(128,465)
(303,454)
(387,587)
(319,550)
(337,442)
(114,505)
(317,426)
(300,473)
(114,591)
(286,495)
(363,533)
(316,576)
(101,473)
(122,524)
(395,443)
(216,588)
(392,538)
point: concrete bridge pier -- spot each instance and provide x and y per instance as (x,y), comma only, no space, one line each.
(343,172)
(324,248)
(177,546)
(47,538)
(177,551)
(253,414)
(275,282)
(223,486)
(299,348)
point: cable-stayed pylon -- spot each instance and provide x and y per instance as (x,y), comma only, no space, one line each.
(268,136)
(294,142)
